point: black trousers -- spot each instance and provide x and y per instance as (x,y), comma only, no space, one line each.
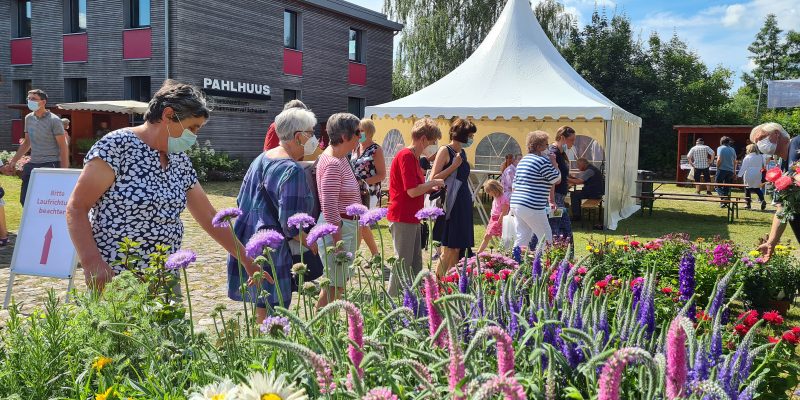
(757,191)
(576,198)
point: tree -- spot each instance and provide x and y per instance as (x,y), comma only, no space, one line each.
(767,55)
(440,34)
(792,55)
(558,24)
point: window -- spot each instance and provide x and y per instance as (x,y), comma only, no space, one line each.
(355,106)
(20,90)
(75,89)
(356,37)
(23,18)
(138,88)
(291,31)
(138,13)
(74,16)
(290,94)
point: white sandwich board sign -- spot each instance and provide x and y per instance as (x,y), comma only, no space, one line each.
(43,246)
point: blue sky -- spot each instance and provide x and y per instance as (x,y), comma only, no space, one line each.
(719,31)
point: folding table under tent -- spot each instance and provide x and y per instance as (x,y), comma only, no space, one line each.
(514,83)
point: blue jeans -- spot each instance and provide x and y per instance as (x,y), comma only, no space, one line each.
(26,176)
(723,177)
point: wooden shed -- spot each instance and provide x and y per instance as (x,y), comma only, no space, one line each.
(711,134)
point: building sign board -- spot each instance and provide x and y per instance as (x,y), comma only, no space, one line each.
(235,89)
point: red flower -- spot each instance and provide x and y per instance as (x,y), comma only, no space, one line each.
(702,316)
(790,337)
(635,244)
(598,292)
(773,318)
(783,182)
(749,317)
(667,290)
(773,339)
(601,284)
(742,329)
(796,330)
(773,174)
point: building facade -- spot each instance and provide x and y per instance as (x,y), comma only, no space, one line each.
(250,56)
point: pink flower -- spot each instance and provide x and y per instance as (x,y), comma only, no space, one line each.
(676,358)
(773,174)
(783,182)
(505,350)
(380,394)
(507,386)
(431,290)
(457,370)
(611,375)
(355,333)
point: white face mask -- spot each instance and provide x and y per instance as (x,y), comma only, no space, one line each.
(765,146)
(310,146)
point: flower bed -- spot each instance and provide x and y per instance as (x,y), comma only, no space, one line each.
(544,328)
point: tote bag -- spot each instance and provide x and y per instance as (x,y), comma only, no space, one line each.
(509,231)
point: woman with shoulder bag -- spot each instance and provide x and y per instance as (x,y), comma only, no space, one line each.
(455,230)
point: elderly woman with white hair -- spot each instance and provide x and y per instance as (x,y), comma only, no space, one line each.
(273,190)
(772,139)
(338,188)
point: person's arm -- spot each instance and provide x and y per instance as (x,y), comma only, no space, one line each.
(690,158)
(63,150)
(203,212)
(794,146)
(504,210)
(96,178)
(442,156)
(23,149)
(380,167)
(409,166)
(775,233)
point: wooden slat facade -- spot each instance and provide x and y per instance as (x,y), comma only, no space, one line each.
(236,40)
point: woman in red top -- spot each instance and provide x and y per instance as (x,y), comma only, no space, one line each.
(407,188)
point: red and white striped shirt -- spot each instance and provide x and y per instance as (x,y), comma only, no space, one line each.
(337,187)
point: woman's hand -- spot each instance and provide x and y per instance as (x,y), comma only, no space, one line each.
(766,250)
(97,275)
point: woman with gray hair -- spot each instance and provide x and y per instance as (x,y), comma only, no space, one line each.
(536,174)
(338,188)
(273,190)
(135,184)
(772,139)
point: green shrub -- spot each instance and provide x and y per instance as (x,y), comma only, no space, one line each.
(212,165)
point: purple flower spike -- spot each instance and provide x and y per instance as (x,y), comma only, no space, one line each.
(263,239)
(429,213)
(300,221)
(224,217)
(687,282)
(320,231)
(356,210)
(180,259)
(372,217)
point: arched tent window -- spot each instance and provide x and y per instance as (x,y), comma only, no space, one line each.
(492,150)
(588,148)
(392,144)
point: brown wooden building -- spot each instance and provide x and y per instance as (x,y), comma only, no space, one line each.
(251,56)
(711,134)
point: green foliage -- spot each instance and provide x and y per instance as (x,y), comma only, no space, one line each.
(214,166)
(788,118)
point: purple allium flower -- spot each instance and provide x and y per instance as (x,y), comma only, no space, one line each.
(320,231)
(300,221)
(224,217)
(429,213)
(372,217)
(261,240)
(180,259)
(272,325)
(676,360)
(356,210)
(380,394)
(686,279)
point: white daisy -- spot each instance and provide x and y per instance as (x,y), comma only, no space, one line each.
(269,387)
(225,390)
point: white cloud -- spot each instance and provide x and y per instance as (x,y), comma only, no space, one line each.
(733,14)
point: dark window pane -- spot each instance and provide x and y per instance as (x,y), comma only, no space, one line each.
(289,95)
(355,106)
(23,18)
(75,89)
(138,88)
(20,90)
(290,29)
(140,13)
(76,16)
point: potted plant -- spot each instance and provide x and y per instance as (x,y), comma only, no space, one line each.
(771,285)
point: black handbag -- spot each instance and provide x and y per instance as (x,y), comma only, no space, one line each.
(363,188)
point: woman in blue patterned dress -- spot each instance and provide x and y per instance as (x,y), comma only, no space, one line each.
(135,184)
(273,190)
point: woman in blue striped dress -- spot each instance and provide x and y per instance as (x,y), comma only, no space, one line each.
(536,174)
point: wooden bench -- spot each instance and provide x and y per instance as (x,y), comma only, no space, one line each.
(731,204)
(592,206)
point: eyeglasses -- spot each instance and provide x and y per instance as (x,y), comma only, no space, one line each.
(306,133)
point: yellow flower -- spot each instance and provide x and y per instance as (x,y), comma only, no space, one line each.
(101,362)
(781,247)
(621,243)
(754,253)
(110,393)
(700,240)
(588,248)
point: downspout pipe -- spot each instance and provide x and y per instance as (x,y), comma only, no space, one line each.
(166,39)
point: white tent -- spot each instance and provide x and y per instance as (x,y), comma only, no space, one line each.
(517,75)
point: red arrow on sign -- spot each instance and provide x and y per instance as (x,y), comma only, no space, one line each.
(48,239)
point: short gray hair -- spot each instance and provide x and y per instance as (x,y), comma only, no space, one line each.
(186,100)
(65,121)
(294,104)
(342,127)
(768,127)
(294,120)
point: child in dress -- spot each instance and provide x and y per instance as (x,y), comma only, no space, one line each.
(500,206)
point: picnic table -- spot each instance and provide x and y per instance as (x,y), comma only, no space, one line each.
(651,194)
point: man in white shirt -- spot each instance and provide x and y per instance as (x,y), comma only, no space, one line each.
(700,157)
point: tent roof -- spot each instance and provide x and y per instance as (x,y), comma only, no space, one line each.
(515,72)
(117,106)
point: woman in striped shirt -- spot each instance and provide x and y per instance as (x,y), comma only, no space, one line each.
(536,174)
(338,188)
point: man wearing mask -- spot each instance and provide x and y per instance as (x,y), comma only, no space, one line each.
(772,139)
(44,137)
